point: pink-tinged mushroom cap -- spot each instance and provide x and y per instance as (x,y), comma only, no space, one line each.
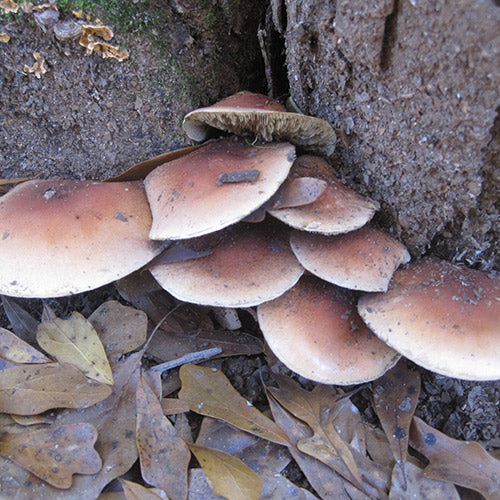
(215,186)
(64,237)
(443,317)
(251,264)
(248,113)
(364,259)
(315,330)
(338,209)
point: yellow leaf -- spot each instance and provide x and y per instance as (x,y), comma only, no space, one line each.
(134,491)
(228,476)
(75,341)
(210,393)
(18,351)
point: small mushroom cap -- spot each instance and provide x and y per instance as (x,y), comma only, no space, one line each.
(188,199)
(315,330)
(338,210)
(64,237)
(443,317)
(249,113)
(364,259)
(251,264)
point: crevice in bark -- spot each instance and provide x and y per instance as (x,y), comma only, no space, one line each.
(389,39)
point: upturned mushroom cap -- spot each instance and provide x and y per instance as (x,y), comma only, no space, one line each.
(209,189)
(364,259)
(315,330)
(251,264)
(64,237)
(248,113)
(338,210)
(443,317)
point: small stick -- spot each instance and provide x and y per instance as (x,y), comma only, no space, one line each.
(192,357)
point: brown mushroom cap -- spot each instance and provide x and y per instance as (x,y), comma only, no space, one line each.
(64,237)
(188,199)
(251,264)
(443,317)
(257,114)
(364,259)
(315,330)
(338,210)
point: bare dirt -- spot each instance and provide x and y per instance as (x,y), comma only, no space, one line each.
(91,118)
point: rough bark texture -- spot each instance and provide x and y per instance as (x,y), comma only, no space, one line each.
(415,85)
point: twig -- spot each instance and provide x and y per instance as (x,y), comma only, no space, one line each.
(192,357)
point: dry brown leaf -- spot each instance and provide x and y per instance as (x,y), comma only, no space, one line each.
(75,341)
(174,406)
(413,484)
(228,476)
(377,446)
(33,389)
(9,6)
(209,392)
(121,328)
(163,455)
(54,454)
(27,420)
(4,37)
(465,463)
(323,479)
(23,324)
(38,67)
(139,171)
(395,395)
(18,351)
(115,420)
(134,491)
(318,409)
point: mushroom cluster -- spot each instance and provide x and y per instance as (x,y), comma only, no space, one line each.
(241,221)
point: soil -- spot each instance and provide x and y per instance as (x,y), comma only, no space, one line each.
(92,118)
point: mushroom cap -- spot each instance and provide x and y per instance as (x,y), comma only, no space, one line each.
(251,264)
(338,210)
(364,259)
(315,330)
(188,200)
(64,237)
(249,113)
(443,317)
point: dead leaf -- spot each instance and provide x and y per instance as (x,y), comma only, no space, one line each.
(121,328)
(75,341)
(322,478)
(465,463)
(227,476)
(17,351)
(173,406)
(141,170)
(27,420)
(395,395)
(9,6)
(33,389)
(134,491)
(164,457)
(209,392)
(54,454)
(115,420)
(23,324)
(413,484)
(4,37)
(38,67)
(317,409)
